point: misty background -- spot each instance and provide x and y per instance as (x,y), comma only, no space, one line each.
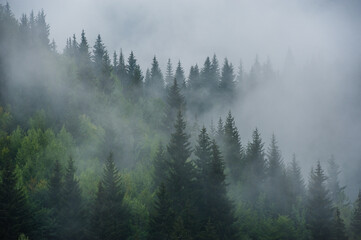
(313,110)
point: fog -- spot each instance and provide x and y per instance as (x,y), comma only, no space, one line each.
(314,110)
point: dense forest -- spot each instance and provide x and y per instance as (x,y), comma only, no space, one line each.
(92,147)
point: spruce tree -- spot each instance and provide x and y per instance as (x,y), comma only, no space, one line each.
(179,75)
(232,148)
(71,216)
(337,192)
(160,166)
(276,179)
(319,206)
(296,185)
(338,231)
(169,73)
(219,206)
(110,211)
(356,219)
(156,83)
(226,85)
(175,103)
(162,220)
(15,214)
(181,178)
(215,75)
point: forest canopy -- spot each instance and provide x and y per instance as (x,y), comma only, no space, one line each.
(94,147)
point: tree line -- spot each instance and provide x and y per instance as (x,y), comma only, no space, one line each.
(82,153)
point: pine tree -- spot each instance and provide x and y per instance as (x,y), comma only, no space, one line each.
(135,77)
(356,219)
(122,69)
(227,85)
(194,78)
(295,182)
(15,215)
(160,166)
(232,148)
(169,73)
(71,216)
(319,206)
(338,231)
(156,83)
(276,179)
(161,222)
(179,75)
(175,103)
(85,71)
(180,182)
(337,193)
(55,188)
(110,211)
(42,30)
(219,206)
(215,75)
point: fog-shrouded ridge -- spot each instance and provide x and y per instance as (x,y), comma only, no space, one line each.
(284,77)
(304,110)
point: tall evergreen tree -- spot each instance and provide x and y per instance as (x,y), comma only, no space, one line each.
(219,206)
(227,85)
(85,70)
(215,74)
(338,231)
(319,206)
(169,73)
(156,83)
(356,219)
(15,215)
(110,211)
(160,166)
(337,192)
(232,148)
(175,103)
(180,183)
(255,171)
(179,75)
(135,77)
(122,69)
(295,181)
(276,179)
(161,223)
(71,216)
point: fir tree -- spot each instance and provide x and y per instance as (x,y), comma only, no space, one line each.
(161,222)
(226,85)
(276,179)
(232,148)
(338,231)
(71,216)
(295,182)
(319,206)
(336,191)
(15,216)
(156,83)
(219,206)
(169,73)
(215,75)
(179,75)
(175,103)
(110,211)
(122,69)
(160,166)
(180,182)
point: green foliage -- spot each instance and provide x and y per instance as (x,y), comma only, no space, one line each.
(319,208)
